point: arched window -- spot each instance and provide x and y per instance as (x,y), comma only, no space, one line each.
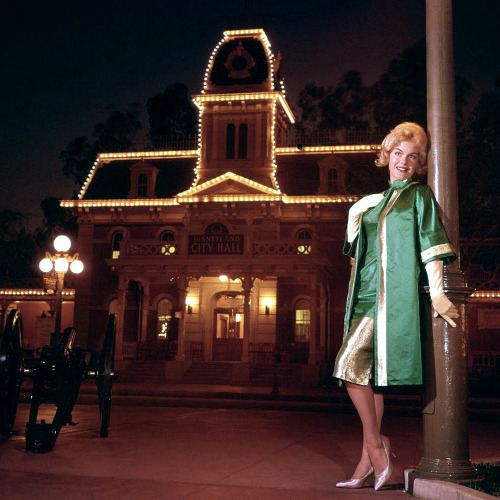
(142,185)
(165,312)
(113,306)
(116,243)
(169,247)
(242,141)
(302,320)
(304,237)
(333,181)
(230,141)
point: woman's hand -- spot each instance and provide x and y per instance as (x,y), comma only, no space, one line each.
(355,212)
(442,305)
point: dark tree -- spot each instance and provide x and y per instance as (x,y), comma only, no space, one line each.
(310,98)
(78,158)
(400,93)
(56,220)
(17,248)
(345,107)
(172,113)
(479,181)
(114,134)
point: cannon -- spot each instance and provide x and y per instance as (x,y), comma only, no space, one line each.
(57,373)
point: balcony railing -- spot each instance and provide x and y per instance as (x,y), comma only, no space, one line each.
(292,138)
(178,143)
(295,138)
(141,248)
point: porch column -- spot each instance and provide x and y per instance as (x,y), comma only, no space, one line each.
(144,313)
(3,312)
(122,291)
(182,290)
(247,285)
(313,293)
(322,320)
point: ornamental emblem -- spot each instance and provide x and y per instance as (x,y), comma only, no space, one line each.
(239,61)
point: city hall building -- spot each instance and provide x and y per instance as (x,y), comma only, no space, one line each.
(226,253)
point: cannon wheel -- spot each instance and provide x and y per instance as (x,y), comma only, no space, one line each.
(11,374)
(106,374)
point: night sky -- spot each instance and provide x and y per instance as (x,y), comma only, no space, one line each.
(63,63)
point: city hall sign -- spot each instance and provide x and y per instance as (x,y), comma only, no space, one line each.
(216,241)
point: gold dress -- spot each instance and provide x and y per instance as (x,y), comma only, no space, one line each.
(354,361)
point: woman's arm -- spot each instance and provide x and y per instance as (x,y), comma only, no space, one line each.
(442,305)
(357,210)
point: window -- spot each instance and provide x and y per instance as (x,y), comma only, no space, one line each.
(488,318)
(116,243)
(332,181)
(230,141)
(164,318)
(113,306)
(169,248)
(242,141)
(142,185)
(304,237)
(302,320)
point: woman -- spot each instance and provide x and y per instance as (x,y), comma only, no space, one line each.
(395,234)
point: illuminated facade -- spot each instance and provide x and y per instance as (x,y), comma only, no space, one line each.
(230,252)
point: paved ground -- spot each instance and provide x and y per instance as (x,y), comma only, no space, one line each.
(179,452)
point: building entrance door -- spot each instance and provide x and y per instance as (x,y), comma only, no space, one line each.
(228,334)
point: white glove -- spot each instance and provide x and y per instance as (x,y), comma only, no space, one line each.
(358,209)
(442,305)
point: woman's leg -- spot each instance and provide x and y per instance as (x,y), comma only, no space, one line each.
(370,407)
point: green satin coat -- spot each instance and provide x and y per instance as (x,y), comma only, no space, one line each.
(410,234)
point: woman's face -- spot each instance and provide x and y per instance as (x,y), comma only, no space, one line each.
(403,161)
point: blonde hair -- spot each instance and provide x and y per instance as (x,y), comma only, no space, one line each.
(410,132)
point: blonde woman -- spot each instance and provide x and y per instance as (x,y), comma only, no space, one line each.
(394,236)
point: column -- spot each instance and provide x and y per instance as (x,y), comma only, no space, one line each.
(120,319)
(445,420)
(144,313)
(3,312)
(246,285)
(182,290)
(313,292)
(322,318)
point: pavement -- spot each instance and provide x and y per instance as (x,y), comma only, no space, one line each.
(221,442)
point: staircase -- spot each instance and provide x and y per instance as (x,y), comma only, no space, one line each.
(216,373)
(144,371)
(288,375)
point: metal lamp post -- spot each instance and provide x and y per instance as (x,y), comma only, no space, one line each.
(60,262)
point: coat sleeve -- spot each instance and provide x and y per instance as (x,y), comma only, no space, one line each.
(433,241)
(346,250)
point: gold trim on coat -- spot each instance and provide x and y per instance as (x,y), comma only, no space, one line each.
(381,336)
(436,250)
(354,362)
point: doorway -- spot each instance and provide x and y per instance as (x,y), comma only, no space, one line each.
(228,328)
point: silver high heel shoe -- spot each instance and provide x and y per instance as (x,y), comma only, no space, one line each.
(383,477)
(355,482)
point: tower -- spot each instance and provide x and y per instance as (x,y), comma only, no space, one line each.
(243,110)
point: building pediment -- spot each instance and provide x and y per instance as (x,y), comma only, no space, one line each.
(229,184)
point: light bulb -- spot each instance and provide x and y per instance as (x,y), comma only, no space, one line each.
(45,265)
(76,266)
(61,265)
(62,243)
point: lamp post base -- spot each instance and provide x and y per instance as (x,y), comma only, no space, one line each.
(463,473)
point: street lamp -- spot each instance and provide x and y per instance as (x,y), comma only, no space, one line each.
(59,263)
